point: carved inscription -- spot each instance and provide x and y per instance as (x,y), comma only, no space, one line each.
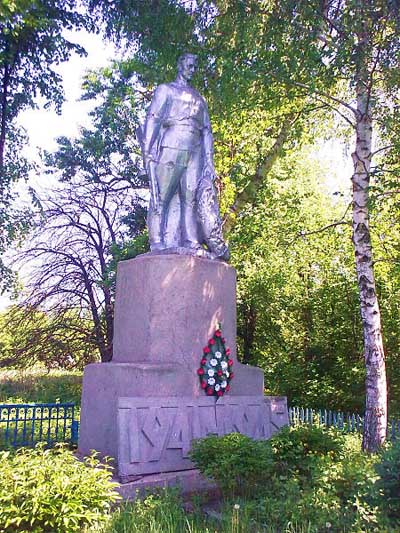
(155,434)
(279,412)
(244,414)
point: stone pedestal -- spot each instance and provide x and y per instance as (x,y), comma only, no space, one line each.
(167,307)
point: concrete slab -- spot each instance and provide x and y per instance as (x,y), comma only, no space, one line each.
(190,483)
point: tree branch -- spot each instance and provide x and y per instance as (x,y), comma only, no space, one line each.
(339,222)
(249,192)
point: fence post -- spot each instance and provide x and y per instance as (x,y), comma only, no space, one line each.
(74,431)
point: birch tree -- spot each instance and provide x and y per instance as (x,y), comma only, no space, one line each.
(374,84)
(351,60)
(367,31)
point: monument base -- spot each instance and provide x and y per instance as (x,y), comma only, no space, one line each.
(105,383)
(144,408)
(189,483)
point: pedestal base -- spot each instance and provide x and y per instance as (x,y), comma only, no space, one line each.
(144,408)
(189,483)
(105,383)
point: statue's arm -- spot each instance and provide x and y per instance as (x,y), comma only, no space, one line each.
(208,143)
(151,132)
(152,125)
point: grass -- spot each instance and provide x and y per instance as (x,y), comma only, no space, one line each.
(39,386)
(164,512)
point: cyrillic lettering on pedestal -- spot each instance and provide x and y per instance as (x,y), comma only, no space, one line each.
(155,434)
(248,415)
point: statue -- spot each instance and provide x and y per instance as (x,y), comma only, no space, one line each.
(177,148)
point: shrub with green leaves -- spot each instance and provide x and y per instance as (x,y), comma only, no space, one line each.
(336,492)
(50,491)
(237,463)
(388,470)
(240,464)
(299,449)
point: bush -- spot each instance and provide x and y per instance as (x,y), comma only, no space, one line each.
(315,479)
(240,464)
(388,470)
(300,449)
(336,493)
(237,463)
(50,491)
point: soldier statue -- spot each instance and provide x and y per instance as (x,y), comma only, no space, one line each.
(177,147)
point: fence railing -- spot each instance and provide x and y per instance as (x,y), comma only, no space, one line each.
(28,424)
(348,422)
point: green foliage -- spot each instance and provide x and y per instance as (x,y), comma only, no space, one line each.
(298,315)
(308,477)
(40,386)
(147,24)
(56,339)
(340,492)
(51,491)
(297,450)
(238,463)
(32,41)
(388,469)
(128,250)
(107,152)
(385,224)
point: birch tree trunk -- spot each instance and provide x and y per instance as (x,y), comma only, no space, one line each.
(375,421)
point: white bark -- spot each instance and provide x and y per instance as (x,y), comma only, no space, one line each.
(376,392)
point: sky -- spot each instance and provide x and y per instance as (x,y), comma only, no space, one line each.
(43,126)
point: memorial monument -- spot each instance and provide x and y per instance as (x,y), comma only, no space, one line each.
(174,375)
(178,155)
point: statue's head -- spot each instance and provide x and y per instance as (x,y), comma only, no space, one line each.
(187,65)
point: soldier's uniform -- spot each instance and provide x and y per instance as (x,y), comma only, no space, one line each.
(177,142)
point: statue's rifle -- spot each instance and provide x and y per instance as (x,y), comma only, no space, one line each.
(150,170)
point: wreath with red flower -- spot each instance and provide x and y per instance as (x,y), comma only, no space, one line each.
(215,370)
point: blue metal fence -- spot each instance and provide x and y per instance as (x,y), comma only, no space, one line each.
(28,424)
(348,422)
